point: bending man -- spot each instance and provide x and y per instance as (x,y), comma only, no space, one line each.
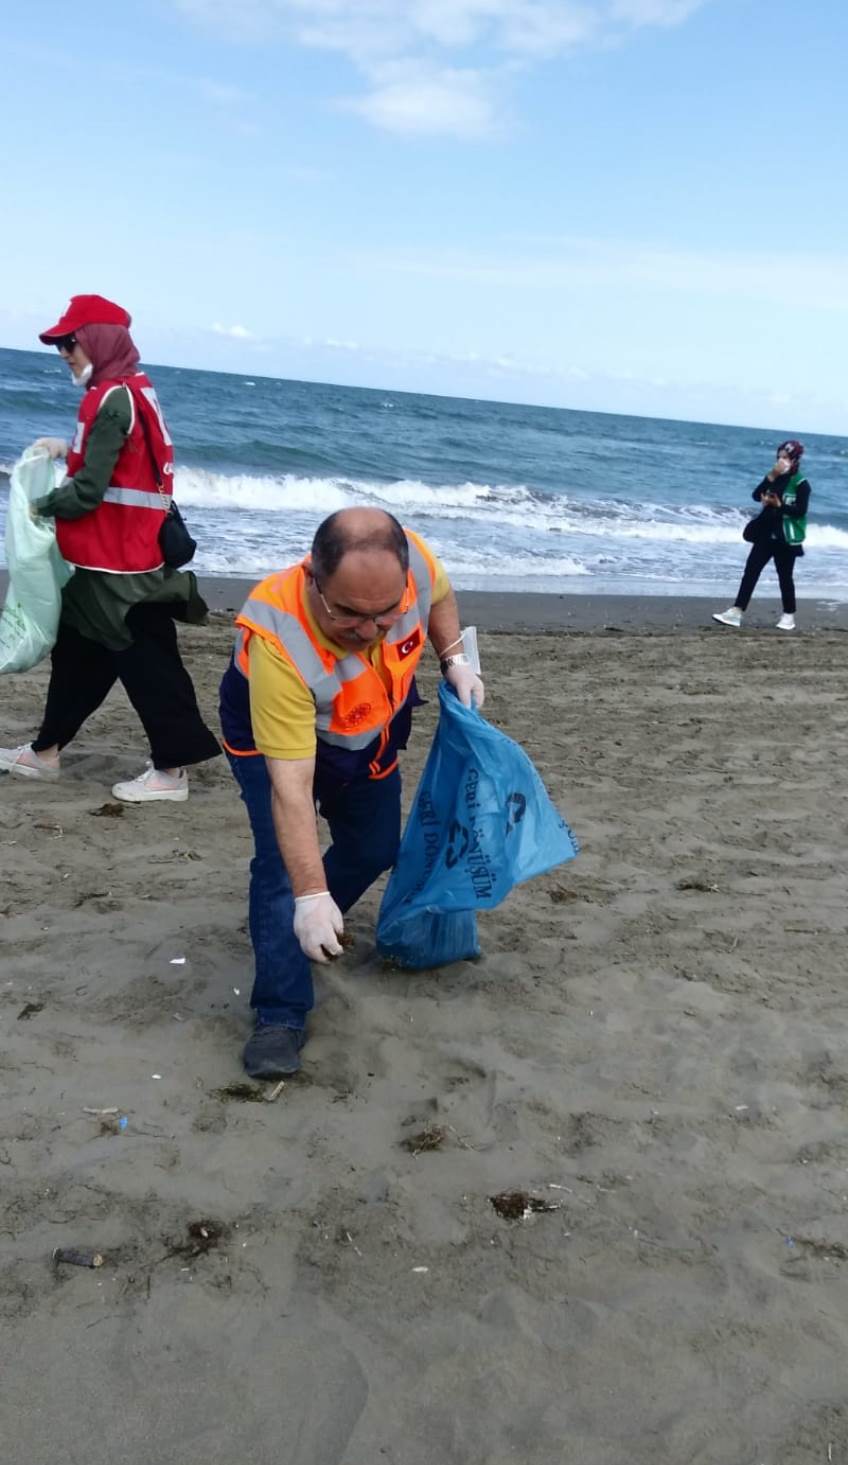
(315,706)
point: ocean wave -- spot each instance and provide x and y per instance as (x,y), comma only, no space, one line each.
(485,504)
(204,488)
(473,508)
(199,488)
(466,566)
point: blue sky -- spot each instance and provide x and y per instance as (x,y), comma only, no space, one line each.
(627,205)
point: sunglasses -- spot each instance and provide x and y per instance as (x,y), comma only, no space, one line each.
(65,343)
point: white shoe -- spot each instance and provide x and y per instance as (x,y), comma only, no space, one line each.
(786,622)
(731,617)
(153,784)
(25,763)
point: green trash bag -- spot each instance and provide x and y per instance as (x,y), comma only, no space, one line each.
(37,572)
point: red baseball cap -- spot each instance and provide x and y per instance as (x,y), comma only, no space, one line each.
(86,310)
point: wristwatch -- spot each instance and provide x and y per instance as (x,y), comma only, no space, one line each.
(449,661)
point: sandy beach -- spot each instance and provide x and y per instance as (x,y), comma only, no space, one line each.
(652,1047)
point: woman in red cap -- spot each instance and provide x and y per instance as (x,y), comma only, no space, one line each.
(118,607)
(777,533)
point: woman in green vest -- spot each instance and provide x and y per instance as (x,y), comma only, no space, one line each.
(777,533)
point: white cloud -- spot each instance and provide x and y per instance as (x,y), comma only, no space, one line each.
(434,103)
(454,51)
(362,28)
(236,333)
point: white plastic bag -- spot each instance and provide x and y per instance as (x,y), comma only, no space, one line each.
(37,572)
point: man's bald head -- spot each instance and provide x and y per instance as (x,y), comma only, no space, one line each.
(363,531)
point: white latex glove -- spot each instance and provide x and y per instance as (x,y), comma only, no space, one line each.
(55,446)
(466,684)
(318,924)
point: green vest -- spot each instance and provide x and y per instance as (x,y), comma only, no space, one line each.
(794,530)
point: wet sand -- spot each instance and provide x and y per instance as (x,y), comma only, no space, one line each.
(529,611)
(653,1044)
(535,612)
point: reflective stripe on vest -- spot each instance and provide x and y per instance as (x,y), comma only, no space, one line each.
(290,633)
(424,590)
(324,686)
(135,498)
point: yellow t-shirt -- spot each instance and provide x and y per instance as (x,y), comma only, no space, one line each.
(282,709)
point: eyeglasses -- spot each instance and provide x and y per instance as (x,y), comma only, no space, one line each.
(351,618)
(66,343)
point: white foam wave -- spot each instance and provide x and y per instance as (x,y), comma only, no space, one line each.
(826,536)
(204,489)
(199,489)
(487,504)
(467,563)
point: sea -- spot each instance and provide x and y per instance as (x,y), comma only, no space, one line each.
(513,498)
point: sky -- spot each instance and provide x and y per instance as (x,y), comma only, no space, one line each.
(619,205)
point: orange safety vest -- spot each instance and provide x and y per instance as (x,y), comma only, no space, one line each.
(353,707)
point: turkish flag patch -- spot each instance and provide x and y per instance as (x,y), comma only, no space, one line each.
(406,648)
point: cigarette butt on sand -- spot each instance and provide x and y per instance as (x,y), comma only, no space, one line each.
(77,1257)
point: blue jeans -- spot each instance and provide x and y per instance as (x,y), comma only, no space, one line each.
(364,820)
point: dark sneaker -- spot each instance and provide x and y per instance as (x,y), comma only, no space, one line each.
(273,1051)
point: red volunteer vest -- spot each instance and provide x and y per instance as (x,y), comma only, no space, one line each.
(121,536)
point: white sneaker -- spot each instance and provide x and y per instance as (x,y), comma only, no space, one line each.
(153,784)
(786,622)
(731,617)
(25,763)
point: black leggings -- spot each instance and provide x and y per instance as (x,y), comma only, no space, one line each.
(153,676)
(784,563)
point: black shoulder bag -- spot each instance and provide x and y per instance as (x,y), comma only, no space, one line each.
(756,528)
(175,541)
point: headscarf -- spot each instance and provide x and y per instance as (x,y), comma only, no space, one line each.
(791,449)
(111,351)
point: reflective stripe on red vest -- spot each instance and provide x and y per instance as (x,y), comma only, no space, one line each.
(121,535)
(352,704)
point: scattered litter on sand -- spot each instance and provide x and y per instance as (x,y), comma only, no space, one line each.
(432,1137)
(30,1010)
(517,1205)
(77,1257)
(200,1237)
(241,1093)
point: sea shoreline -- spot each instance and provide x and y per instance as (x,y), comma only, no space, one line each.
(529,611)
(512,611)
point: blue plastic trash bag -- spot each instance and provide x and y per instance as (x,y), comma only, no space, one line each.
(481,822)
(37,572)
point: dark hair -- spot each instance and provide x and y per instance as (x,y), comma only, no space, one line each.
(792,449)
(333,541)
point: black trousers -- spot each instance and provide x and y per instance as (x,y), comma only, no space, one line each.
(153,676)
(784,563)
